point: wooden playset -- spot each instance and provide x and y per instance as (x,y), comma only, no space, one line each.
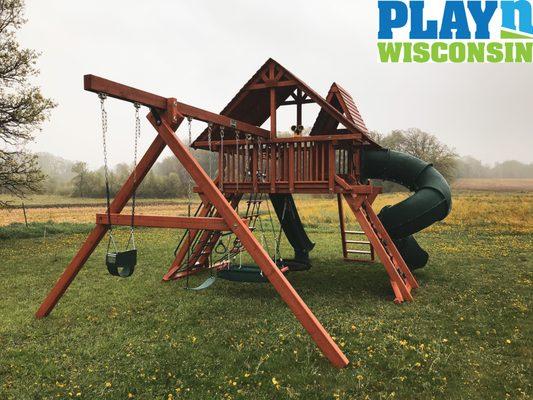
(252,163)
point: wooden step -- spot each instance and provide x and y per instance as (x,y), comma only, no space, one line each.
(359,251)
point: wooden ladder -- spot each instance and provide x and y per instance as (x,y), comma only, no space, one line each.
(198,244)
(363,251)
(401,278)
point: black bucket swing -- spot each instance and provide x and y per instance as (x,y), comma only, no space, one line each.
(120,263)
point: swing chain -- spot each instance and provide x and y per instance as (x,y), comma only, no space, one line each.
(238,174)
(260,175)
(221,173)
(189,182)
(247,156)
(103,97)
(209,132)
(134,173)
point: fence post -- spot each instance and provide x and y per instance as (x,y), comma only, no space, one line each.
(25,217)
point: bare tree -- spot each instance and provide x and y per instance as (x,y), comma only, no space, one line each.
(423,145)
(80,178)
(22,106)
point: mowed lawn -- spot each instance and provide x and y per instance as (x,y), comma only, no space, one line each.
(467,335)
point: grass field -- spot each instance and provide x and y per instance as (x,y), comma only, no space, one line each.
(467,335)
(495,184)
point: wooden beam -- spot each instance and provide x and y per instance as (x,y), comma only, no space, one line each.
(217,119)
(273,108)
(161,221)
(271,84)
(296,102)
(119,91)
(95,84)
(299,107)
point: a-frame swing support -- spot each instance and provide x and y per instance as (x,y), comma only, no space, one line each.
(166,115)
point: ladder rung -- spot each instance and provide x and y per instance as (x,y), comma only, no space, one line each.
(355,232)
(358,251)
(357,241)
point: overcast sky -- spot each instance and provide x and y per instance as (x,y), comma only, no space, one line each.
(202,52)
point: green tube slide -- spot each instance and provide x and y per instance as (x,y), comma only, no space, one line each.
(431,201)
(293,228)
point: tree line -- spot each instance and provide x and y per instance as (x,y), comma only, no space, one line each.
(169,179)
(166,179)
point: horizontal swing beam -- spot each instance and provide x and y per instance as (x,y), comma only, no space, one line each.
(222,120)
(161,221)
(96,84)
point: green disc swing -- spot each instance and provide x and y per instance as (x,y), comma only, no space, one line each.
(120,263)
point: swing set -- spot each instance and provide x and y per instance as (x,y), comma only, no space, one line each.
(254,166)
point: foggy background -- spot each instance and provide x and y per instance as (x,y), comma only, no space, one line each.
(202,52)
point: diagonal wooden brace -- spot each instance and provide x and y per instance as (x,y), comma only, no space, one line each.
(321,337)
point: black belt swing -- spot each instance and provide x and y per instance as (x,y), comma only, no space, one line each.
(120,263)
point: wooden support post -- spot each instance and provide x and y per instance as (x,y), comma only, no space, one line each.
(273,130)
(273,122)
(323,340)
(98,232)
(298,107)
(342,225)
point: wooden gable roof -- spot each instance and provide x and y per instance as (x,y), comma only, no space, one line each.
(252,103)
(343,103)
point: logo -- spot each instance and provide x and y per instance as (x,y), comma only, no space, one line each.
(451,31)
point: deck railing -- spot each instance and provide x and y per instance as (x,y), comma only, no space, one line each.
(305,165)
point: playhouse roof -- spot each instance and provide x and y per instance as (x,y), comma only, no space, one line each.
(252,105)
(343,102)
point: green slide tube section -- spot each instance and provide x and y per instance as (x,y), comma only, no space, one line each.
(292,226)
(431,201)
